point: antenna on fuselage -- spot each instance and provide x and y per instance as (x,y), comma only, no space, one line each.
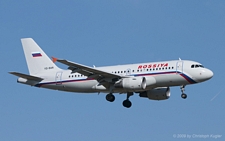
(179,59)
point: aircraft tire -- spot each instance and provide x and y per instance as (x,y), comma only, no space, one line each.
(127,103)
(110,97)
(184,96)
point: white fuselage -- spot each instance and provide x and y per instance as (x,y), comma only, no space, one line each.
(166,74)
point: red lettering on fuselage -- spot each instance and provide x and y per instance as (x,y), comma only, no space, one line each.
(160,65)
(145,66)
(140,67)
(165,65)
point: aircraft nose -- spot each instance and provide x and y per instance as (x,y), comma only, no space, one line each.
(206,74)
(209,74)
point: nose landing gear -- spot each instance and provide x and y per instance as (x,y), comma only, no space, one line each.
(183,95)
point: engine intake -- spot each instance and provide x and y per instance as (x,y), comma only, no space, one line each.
(156,94)
(134,83)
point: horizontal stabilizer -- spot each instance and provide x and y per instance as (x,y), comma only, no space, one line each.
(28,77)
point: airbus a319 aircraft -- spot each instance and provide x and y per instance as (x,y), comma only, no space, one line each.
(150,80)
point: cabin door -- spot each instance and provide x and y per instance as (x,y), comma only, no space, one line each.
(179,67)
(58,78)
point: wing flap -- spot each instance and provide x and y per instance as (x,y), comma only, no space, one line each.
(28,77)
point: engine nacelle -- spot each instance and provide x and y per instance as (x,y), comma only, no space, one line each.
(156,94)
(133,83)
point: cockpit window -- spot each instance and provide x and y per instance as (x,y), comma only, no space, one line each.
(197,66)
(201,66)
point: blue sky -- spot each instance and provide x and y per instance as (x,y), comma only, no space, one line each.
(109,33)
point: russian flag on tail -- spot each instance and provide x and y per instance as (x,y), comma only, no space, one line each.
(36,54)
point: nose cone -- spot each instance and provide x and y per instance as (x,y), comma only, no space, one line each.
(205,74)
(209,74)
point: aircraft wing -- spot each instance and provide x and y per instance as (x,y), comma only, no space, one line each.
(88,71)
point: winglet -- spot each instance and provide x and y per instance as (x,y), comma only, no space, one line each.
(54,59)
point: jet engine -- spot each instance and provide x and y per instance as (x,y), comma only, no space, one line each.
(156,94)
(133,83)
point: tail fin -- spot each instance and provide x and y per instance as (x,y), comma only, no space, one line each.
(37,60)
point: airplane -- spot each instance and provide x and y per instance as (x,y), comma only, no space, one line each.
(150,80)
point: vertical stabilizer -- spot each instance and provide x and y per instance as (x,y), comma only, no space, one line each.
(37,60)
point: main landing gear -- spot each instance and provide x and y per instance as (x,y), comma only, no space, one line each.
(183,95)
(110,97)
(126,103)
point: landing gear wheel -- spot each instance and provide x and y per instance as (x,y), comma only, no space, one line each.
(127,103)
(110,97)
(184,96)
